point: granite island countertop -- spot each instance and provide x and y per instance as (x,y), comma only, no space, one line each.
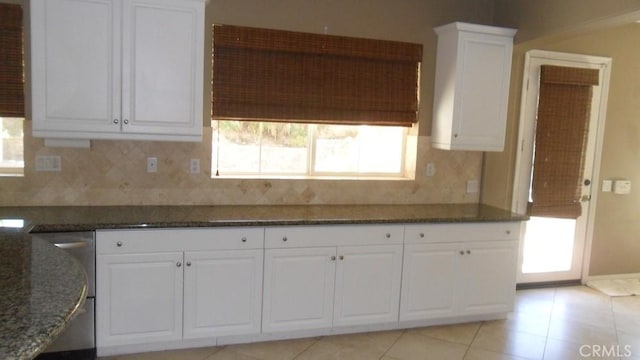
(42,286)
(41,289)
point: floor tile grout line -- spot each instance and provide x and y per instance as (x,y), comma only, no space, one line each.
(472,340)
(404,331)
(546,338)
(318,339)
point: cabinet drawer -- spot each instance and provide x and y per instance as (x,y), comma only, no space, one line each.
(332,235)
(143,240)
(439,233)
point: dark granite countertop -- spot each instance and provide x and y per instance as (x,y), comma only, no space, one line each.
(87,218)
(41,289)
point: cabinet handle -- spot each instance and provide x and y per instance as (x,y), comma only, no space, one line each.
(468,252)
(125,121)
(244,239)
(284,238)
(461,252)
(116,121)
(388,235)
(455,135)
(119,244)
(341,257)
(421,235)
(188,263)
(333,258)
(178,264)
(508,232)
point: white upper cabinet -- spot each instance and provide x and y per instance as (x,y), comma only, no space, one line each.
(117,69)
(473,66)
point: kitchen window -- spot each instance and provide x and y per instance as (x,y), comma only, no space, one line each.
(11,147)
(290,104)
(274,149)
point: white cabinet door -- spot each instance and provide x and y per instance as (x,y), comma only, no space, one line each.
(489,273)
(162,67)
(429,276)
(76,82)
(368,280)
(140,297)
(298,288)
(117,69)
(222,293)
(473,68)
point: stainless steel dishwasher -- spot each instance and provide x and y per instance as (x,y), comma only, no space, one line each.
(78,341)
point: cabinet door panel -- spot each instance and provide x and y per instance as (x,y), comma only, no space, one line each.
(367,285)
(429,281)
(223,293)
(162,60)
(140,298)
(488,283)
(75,65)
(298,289)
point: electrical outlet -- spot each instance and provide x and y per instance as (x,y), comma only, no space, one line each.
(473,186)
(431,169)
(48,163)
(152,164)
(194,166)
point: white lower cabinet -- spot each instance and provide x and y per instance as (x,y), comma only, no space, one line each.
(455,270)
(164,285)
(310,287)
(140,298)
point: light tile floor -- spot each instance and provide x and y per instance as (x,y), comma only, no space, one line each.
(561,323)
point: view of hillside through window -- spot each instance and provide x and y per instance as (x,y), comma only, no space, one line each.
(11,146)
(247,148)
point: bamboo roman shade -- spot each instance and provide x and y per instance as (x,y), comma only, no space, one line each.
(11,61)
(564,108)
(274,75)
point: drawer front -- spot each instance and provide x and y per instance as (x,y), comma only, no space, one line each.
(461,232)
(134,241)
(332,235)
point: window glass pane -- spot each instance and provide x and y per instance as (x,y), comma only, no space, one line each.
(11,143)
(284,148)
(359,149)
(239,148)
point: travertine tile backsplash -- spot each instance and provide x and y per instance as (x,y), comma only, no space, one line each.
(113,173)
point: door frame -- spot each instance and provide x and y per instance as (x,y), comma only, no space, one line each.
(524,152)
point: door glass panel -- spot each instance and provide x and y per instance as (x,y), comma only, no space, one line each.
(548,245)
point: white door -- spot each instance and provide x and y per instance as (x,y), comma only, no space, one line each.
(139,298)
(298,288)
(368,280)
(555,249)
(487,277)
(75,65)
(222,293)
(162,67)
(429,277)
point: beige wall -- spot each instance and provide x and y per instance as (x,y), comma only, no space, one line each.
(616,246)
(537,18)
(112,172)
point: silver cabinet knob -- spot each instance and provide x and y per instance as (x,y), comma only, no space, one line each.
(188,263)
(178,264)
(508,232)
(341,257)
(468,252)
(119,244)
(461,252)
(125,121)
(244,239)
(284,238)
(116,121)
(333,258)
(388,235)
(421,235)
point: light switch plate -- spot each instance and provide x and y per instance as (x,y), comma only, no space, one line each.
(473,186)
(48,163)
(607,185)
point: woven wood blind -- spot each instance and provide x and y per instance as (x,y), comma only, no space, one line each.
(273,75)
(11,61)
(564,108)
